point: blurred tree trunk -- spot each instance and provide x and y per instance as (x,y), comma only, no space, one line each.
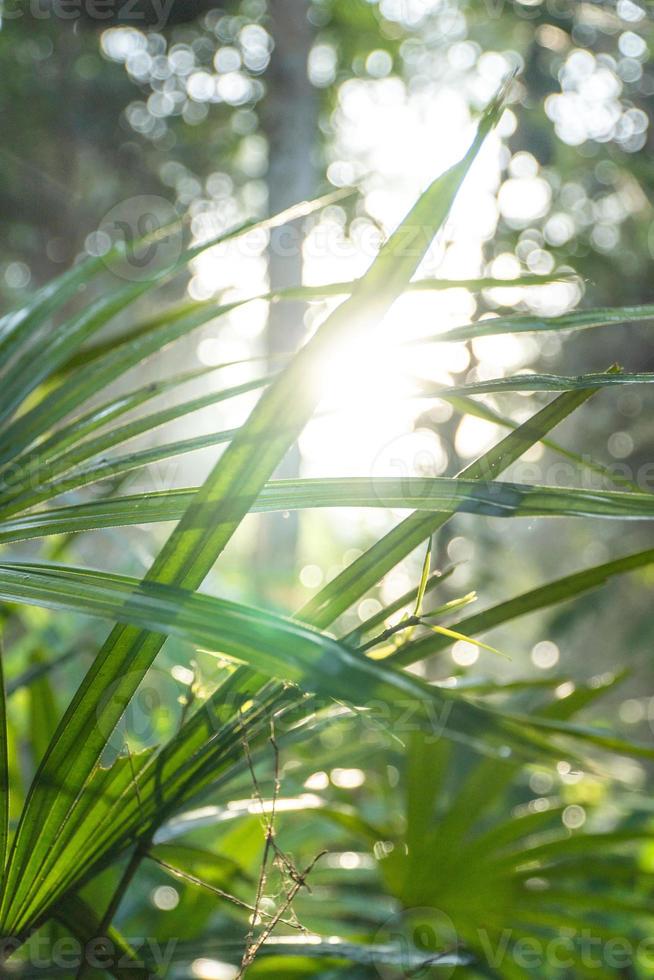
(290,123)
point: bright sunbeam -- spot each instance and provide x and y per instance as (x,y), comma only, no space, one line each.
(369,389)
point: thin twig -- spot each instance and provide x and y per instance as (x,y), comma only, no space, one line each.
(194,880)
(251,953)
(407,623)
(269,828)
(292,879)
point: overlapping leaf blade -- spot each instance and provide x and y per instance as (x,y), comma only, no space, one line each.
(62,345)
(560,590)
(364,573)
(20,493)
(274,646)
(429,495)
(530,323)
(544,382)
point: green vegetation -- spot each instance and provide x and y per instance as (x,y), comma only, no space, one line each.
(256,791)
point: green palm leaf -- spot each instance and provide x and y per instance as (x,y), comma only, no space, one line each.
(432,495)
(4,771)
(208,524)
